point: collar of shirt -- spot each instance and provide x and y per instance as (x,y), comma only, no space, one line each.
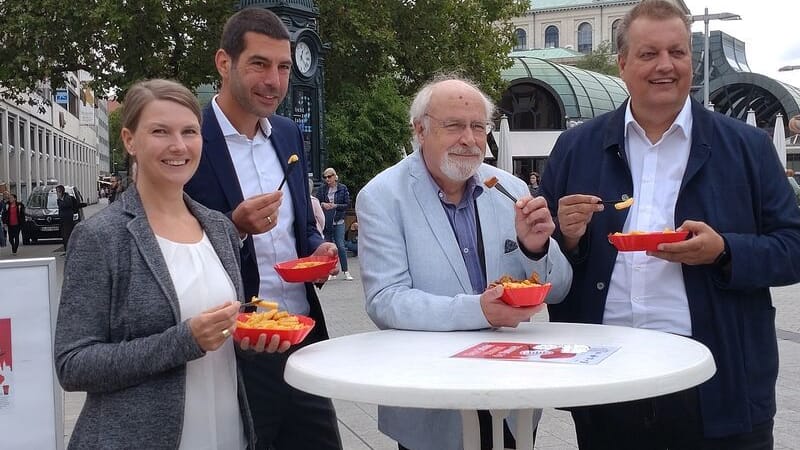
(683,121)
(472,190)
(229,130)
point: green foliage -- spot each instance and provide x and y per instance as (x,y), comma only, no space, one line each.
(414,40)
(118,154)
(117,42)
(383,51)
(367,131)
(601,60)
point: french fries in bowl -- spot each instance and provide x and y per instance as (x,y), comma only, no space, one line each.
(308,269)
(522,293)
(289,327)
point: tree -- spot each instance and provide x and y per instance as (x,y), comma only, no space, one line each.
(117,150)
(117,42)
(355,148)
(601,60)
(383,51)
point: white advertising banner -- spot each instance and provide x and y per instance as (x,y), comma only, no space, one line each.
(31,401)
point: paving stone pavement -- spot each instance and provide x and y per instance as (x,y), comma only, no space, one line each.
(343,303)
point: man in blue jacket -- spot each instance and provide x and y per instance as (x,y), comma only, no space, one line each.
(246,148)
(695,170)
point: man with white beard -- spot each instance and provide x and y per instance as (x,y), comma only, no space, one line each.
(431,238)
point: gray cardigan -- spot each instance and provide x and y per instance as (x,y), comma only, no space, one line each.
(119,335)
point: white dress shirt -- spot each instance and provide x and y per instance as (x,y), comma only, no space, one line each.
(211,417)
(647,292)
(259,172)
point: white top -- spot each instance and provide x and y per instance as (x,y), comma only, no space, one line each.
(259,172)
(648,292)
(211,417)
(415,368)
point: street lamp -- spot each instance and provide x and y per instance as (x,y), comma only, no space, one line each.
(706,17)
(788,68)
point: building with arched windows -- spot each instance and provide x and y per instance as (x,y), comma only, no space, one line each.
(572,24)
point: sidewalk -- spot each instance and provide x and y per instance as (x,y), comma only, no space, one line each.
(343,303)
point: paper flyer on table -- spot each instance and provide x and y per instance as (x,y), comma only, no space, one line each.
(554,353)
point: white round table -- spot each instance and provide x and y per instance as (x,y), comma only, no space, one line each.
(415,369)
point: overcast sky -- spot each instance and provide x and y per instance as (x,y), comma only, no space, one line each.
(769,29)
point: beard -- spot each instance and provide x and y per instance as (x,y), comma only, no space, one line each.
(461,169)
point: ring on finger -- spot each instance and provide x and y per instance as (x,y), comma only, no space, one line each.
(226,333)
(269,220)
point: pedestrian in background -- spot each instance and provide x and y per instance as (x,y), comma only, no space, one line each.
(335,199)
(67,207)
(2,222)
(113,190)
(13,217)
(319,215)
(695,170)
(793,184)
(533,184)
(149,299)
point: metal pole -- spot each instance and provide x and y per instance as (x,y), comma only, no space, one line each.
(705,63)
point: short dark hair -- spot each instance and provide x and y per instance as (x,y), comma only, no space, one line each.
(60,188)
(256,20)
(651,9)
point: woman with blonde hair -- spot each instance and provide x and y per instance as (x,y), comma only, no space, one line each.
(335,199)
(150,298)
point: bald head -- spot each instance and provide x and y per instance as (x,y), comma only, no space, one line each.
(453,91)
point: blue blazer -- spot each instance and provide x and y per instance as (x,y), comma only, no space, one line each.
(735,183)
(216,186)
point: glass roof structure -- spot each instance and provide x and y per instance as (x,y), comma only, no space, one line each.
(734,89)
(544,95)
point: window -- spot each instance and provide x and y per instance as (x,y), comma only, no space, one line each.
(551,37)
(585,38)
(12,127)
(614,29)
(522,39)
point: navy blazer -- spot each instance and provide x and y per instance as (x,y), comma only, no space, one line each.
(216,186)
(735,183)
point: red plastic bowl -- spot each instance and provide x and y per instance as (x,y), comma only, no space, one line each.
(525,296)
(293,336)
(645,241)
(289,271)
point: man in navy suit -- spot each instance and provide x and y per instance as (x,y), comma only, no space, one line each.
(245,153)
(699,171)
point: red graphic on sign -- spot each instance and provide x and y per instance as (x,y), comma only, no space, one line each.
(5,344)
(5,354)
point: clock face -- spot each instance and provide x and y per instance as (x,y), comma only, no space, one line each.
(303,58)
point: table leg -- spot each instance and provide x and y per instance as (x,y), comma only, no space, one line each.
(470,430)
(498,416)
(524,434)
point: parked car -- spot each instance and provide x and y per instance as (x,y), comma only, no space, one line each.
(41,213)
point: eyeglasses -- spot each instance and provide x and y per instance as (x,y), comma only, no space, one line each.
(458,126)
(328,176)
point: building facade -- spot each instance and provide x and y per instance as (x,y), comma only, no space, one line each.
(579,25)
(64,142)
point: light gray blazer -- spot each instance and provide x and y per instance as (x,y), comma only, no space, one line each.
(415,278)
(119,335)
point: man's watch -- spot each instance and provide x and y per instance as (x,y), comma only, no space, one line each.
(724,258)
